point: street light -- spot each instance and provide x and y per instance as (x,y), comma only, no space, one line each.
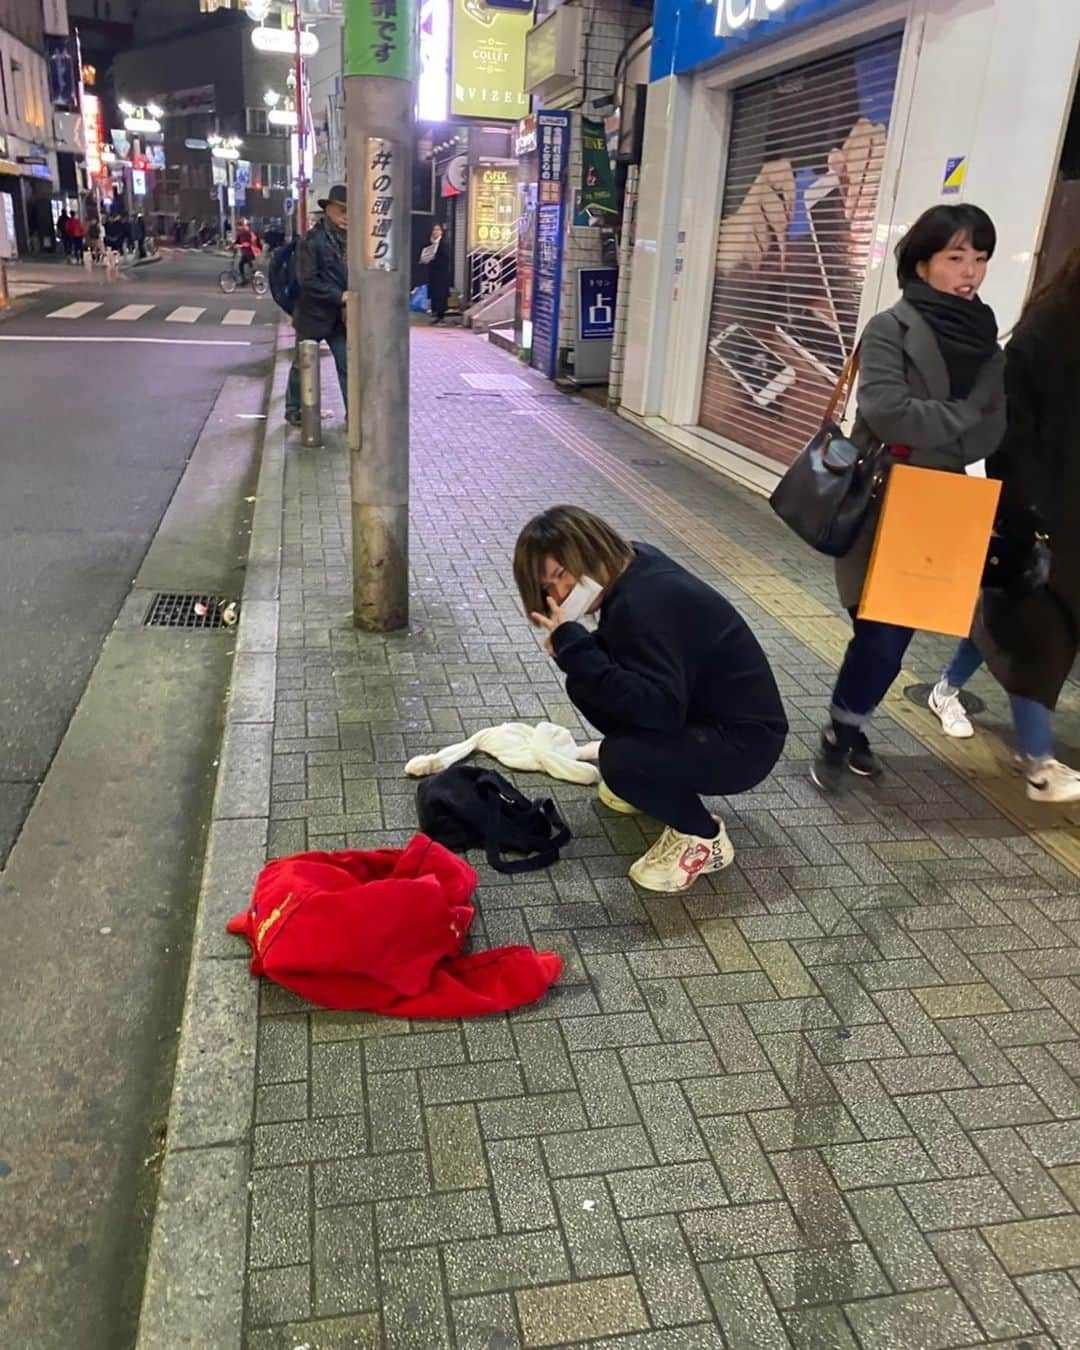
(271,98)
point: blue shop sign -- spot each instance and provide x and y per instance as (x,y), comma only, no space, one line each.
(596,302)
(692,33)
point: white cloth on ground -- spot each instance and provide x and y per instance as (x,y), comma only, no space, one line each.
(545,748)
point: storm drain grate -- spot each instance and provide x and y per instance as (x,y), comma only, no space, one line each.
(177,609)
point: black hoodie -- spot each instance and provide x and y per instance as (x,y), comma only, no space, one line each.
(669,651)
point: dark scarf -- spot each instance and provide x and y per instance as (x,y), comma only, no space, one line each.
(335,234)
(966,332)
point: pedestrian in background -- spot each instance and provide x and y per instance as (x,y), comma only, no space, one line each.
(931,389)
(61,229)
(1029,633)
(673,678)
(322,276)
(436,255)
(76,232)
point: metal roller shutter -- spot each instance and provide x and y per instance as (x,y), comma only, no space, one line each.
(797,220)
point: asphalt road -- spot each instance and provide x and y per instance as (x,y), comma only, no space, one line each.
(99,417)
(130,430)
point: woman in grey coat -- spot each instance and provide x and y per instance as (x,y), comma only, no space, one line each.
(931,389)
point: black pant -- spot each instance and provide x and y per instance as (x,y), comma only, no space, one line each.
(665,775)
(439,294)
(871,664)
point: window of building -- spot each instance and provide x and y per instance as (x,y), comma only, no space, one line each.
(257,122)
(279,177)
(18,93)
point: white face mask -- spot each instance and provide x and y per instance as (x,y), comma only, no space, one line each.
(577,603)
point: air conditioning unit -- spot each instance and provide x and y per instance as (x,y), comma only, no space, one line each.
(553,54)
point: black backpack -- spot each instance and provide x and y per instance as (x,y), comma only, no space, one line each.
(467,807)
(283,284)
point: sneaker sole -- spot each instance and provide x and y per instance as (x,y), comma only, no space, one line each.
(616,804)
(674,889)
(865,773)
(1034,795)
(830,786)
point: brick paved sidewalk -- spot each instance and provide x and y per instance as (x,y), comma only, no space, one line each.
(831,1098)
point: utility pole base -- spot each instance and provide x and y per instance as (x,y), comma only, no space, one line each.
(380,567)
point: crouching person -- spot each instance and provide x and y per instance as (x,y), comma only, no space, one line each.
(672,676)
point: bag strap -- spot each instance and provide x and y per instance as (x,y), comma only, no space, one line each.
(494,836)
(844,386)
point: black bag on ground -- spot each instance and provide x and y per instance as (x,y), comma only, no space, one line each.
(467,807)
(828,490)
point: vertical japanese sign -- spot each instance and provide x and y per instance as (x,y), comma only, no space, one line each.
(379,38)
(381,191)
(553,143)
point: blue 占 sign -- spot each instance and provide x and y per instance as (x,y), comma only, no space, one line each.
(553,150)
(596,303)
(690,33)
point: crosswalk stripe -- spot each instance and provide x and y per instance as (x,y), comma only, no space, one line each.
(239,316)
(132,312)
(77,310)
(185,314)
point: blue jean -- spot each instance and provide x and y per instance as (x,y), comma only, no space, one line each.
(1031,721)
(338,350)
(871,663)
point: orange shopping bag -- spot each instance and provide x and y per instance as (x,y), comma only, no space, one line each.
(930,550)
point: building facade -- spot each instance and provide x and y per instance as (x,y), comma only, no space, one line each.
(40,128)
(210,80)
(788,146)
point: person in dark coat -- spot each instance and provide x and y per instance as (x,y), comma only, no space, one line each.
(673,678)
(1029,634)
(439,266)
(931,389)
(323,276)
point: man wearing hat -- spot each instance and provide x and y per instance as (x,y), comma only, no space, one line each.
(322,276)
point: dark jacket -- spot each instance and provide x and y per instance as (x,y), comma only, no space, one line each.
(322,274)
(1030,640)
(669,651)
(903,400)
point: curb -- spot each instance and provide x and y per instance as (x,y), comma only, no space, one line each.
(193,1293)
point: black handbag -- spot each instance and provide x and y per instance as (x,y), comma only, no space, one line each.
(1018,559)
(827,492)
(467,807)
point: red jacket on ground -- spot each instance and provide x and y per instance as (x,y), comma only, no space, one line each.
(382,931)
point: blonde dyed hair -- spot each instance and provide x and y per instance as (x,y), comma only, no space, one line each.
(584,544)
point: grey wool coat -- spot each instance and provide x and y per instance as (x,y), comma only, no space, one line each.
(903,400)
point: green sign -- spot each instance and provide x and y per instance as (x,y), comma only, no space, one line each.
(595,200)
(488,64)
(379,38)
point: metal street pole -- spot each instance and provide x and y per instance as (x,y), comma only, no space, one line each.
(301,131)
(379,40)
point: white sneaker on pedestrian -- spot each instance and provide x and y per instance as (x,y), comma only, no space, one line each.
(945,702)
(1048,780)
(676,860)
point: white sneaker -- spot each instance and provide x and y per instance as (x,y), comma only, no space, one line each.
(676,860)
(954,720)
(612,802)
(1048,780)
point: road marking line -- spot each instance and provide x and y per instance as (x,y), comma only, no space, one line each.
(185,314)
(239,316)
(75,311)
(166,342)
(131,312)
